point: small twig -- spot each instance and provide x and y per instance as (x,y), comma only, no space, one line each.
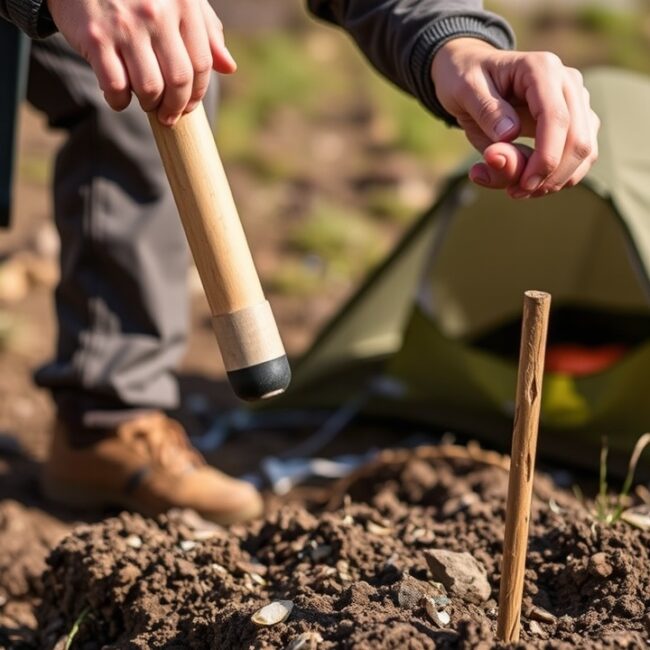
(522,465)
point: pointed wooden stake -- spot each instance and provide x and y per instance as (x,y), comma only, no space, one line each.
(522,467)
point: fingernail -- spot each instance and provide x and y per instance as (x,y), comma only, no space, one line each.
(480,177)
(498,162)
(504,125)
(533,183)
(519,194)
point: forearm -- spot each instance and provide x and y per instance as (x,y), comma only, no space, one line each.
(31,16)
(400,37)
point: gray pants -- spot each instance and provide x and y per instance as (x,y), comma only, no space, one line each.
(121,304)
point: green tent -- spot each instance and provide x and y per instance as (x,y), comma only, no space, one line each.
(439,320)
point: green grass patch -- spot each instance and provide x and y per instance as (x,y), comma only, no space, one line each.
(346,242)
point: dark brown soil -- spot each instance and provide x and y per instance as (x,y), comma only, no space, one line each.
(357,575)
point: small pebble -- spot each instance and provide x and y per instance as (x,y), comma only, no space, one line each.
(187,545)
(535,628)
(134,541)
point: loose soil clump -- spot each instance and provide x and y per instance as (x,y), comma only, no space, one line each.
(357,576)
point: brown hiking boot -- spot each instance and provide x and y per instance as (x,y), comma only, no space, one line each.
(147,465)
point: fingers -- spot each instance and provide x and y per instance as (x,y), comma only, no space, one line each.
(161,50)
(145,76)
(566,130)
(484,107)
(178,74)
(196,39)
(503,166)
(581,148)
(548,107)
(222,59)
(111,75)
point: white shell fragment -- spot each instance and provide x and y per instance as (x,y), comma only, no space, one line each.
(257,578)
(305,641)
(639,516)
(439,617)
(378,530)
(277,612)
(134,541)
(187,545)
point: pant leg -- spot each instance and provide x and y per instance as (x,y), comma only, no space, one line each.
(121,304)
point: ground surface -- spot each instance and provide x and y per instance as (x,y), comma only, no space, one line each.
(357,574)
(327,169)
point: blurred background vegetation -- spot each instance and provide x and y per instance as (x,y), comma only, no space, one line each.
(337,159)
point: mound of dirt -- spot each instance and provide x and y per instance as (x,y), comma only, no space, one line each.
(357,576)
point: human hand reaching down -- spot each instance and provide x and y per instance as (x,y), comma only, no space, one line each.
(497,96)
(163,51)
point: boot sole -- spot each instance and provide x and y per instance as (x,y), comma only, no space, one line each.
(79,498)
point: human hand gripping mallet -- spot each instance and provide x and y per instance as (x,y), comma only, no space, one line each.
(522,465)
(246,331)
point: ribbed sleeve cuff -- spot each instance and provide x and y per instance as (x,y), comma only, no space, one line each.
(32,17)
(490,29)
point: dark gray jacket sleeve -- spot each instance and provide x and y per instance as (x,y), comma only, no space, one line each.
(30,16)
(400,37)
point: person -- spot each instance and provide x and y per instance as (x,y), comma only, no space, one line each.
(121,302)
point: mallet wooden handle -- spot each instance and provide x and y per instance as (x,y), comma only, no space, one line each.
(246,331)
(522,465)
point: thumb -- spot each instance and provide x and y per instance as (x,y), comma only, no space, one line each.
(481,103)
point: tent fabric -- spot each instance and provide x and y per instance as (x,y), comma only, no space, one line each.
(462,271)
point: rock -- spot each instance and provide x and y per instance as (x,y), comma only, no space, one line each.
(599,566)
(411,592)
(535,628)
(460,573)
(277,612)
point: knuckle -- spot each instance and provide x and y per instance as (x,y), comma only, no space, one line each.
(582,149)
(487,107)
(550,60)
(548,163)
(149,10)
(202,64)
(559,115)
(576,76)
(95,36)
(180,78)
(150,90)
(114,87)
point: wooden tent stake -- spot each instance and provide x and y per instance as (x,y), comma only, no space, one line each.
(522,466)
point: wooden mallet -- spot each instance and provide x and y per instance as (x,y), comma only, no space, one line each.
(246,331)
(522,465)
